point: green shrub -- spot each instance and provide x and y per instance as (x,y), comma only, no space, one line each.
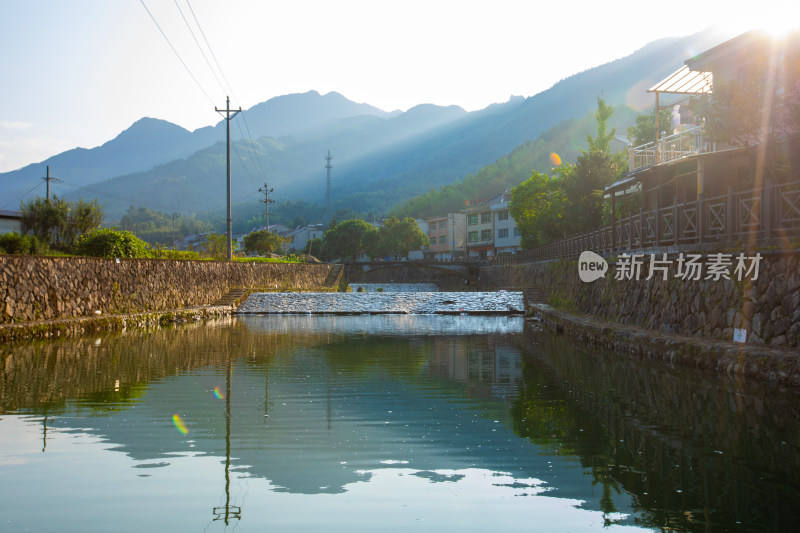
(163,253)
(14,243)
(112,243)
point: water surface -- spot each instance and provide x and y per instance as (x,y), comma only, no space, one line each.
(390,423)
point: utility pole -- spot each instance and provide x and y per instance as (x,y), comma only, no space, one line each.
(266,200)
(48,179)
(228,116)
(328,166)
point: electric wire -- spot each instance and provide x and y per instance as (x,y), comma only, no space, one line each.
(230,89)
(198,45)
(176,52)
(19,198)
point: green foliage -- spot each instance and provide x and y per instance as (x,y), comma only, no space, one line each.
(538,205)
(644,130)
(165,253)
(313,246)
(112,243)
(549,208)
(60,223)
(263,242)
(397,238)
(347,239)
(156,227)
(215,247)
(288,259)
(14,243)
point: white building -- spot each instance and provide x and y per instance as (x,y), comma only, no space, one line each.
(506,234)
(10,221)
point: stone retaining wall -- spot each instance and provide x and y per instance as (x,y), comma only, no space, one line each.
(768,308)
(45,288)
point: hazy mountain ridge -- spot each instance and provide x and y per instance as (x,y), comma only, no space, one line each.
(150,142)
(380,158)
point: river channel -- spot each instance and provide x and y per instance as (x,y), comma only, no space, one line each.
(383,422)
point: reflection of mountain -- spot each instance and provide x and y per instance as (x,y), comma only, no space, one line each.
(318,410)
(337,408)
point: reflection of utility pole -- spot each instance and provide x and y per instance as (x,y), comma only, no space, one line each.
(227,116)
(266,190)
(230,511)
(48,178)
(44,434)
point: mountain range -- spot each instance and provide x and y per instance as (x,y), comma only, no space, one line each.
(379,158)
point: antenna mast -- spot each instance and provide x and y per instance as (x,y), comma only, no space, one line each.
(328,166)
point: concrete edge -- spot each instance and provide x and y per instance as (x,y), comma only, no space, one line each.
(762,363)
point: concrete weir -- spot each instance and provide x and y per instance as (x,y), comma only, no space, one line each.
(349,303)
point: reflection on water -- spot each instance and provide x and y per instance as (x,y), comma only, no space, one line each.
(445,423)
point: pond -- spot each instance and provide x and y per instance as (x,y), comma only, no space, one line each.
(383,423)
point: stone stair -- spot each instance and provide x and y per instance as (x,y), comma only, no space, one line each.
(233,297)
(533,295)
(333,276)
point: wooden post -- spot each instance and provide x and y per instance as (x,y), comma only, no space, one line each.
(613,222)
(765,214)
(729,214)
(676,228)
(700,218)
(657,224)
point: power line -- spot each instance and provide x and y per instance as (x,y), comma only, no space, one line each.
(198,45)
(252,147)
(19,198)
(175,51)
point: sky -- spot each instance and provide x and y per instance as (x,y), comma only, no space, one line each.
(76,73)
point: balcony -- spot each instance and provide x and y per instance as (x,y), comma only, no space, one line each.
(682,144)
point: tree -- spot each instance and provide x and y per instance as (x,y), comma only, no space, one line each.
(398,237)
(346,239)
(59,222)
(538,205)
(571,201)
(216,246)
(644,131)
(262,242)
(313,246)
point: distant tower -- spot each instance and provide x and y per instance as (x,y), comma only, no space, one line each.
(328,211)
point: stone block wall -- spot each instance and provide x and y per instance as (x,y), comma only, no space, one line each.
(40,288)
(768,308)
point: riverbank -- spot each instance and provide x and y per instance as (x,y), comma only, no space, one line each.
(66,327)
(749,361)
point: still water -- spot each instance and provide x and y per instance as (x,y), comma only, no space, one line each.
(383,423)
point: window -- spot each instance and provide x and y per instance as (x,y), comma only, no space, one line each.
(516,232)
(502,233)
(473,236)
(502,215)
(443,239)
(486,218)
(486,234)
(442,224)
(473,220)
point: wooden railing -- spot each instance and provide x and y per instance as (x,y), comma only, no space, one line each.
(737,217)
